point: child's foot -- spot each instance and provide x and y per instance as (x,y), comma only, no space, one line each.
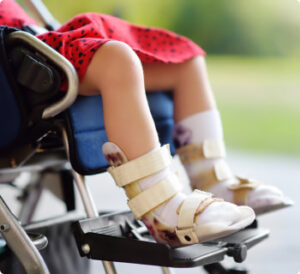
(208,171)
(172,217)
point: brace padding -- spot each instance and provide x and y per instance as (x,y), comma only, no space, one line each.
(210,149)
(141,167)
(154,196)
(186,220)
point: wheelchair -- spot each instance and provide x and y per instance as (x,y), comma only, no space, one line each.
(45,131)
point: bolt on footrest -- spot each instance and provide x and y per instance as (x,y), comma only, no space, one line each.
(120,237)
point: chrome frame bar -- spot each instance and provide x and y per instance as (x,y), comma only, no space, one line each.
(33,193)
(60,61)
(42,13)
(88,202)
(20,243)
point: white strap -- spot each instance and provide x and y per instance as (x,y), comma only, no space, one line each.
(154,196)
(186,228)
(141,167)
(222,171)
(214,149)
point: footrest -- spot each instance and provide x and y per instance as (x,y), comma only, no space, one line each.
(120,237)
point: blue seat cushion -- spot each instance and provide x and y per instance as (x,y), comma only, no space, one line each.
(12,112)
(86,132)
(10,119)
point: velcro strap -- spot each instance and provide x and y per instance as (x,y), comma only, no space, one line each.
(210,149)
(154,196)
(240,196)
(241,190)
(244,183)
(214,149)
(141,167)
(186,220)
(222,171)
(207,179)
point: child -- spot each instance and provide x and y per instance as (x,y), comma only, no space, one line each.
(120,60)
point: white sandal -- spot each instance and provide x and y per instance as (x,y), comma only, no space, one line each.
(206,180)
(143,203)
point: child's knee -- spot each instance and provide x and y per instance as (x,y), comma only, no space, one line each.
(113,64)
(120,57)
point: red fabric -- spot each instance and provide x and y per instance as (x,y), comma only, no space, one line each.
(79,38)
(12,15)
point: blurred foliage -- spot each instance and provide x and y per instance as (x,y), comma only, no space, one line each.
(258,95)
(268,27)
(259,100)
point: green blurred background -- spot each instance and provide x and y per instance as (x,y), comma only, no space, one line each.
(253,59)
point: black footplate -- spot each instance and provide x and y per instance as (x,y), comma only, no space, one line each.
(120,237)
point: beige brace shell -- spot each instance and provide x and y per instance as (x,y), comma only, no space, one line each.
(141,168)
(147,200)
(215,149)
(192,206)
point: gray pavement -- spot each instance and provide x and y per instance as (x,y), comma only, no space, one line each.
(278,254)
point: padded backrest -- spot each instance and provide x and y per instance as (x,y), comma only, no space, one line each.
(10,119)
(87,134)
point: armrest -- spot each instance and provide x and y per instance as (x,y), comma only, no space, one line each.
(61,62)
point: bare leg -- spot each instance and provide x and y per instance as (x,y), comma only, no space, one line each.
(116,73)
(188,81)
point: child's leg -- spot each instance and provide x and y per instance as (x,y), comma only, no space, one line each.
(198,121)
(150,184)
(116,73)
(189,83)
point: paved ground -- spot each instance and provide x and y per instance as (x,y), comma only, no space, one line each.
(278,254)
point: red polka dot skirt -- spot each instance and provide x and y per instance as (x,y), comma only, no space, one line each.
(79,38)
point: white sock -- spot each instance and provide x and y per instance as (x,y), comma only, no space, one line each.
(195,129)
(199,127)
(220,212)
(207,125)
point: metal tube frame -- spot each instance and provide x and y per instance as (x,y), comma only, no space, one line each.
(42,13)
(20,243)
(60,61)
(87,200)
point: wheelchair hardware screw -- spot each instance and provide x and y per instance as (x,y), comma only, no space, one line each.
(85,249)
(4,227)
(238,252)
